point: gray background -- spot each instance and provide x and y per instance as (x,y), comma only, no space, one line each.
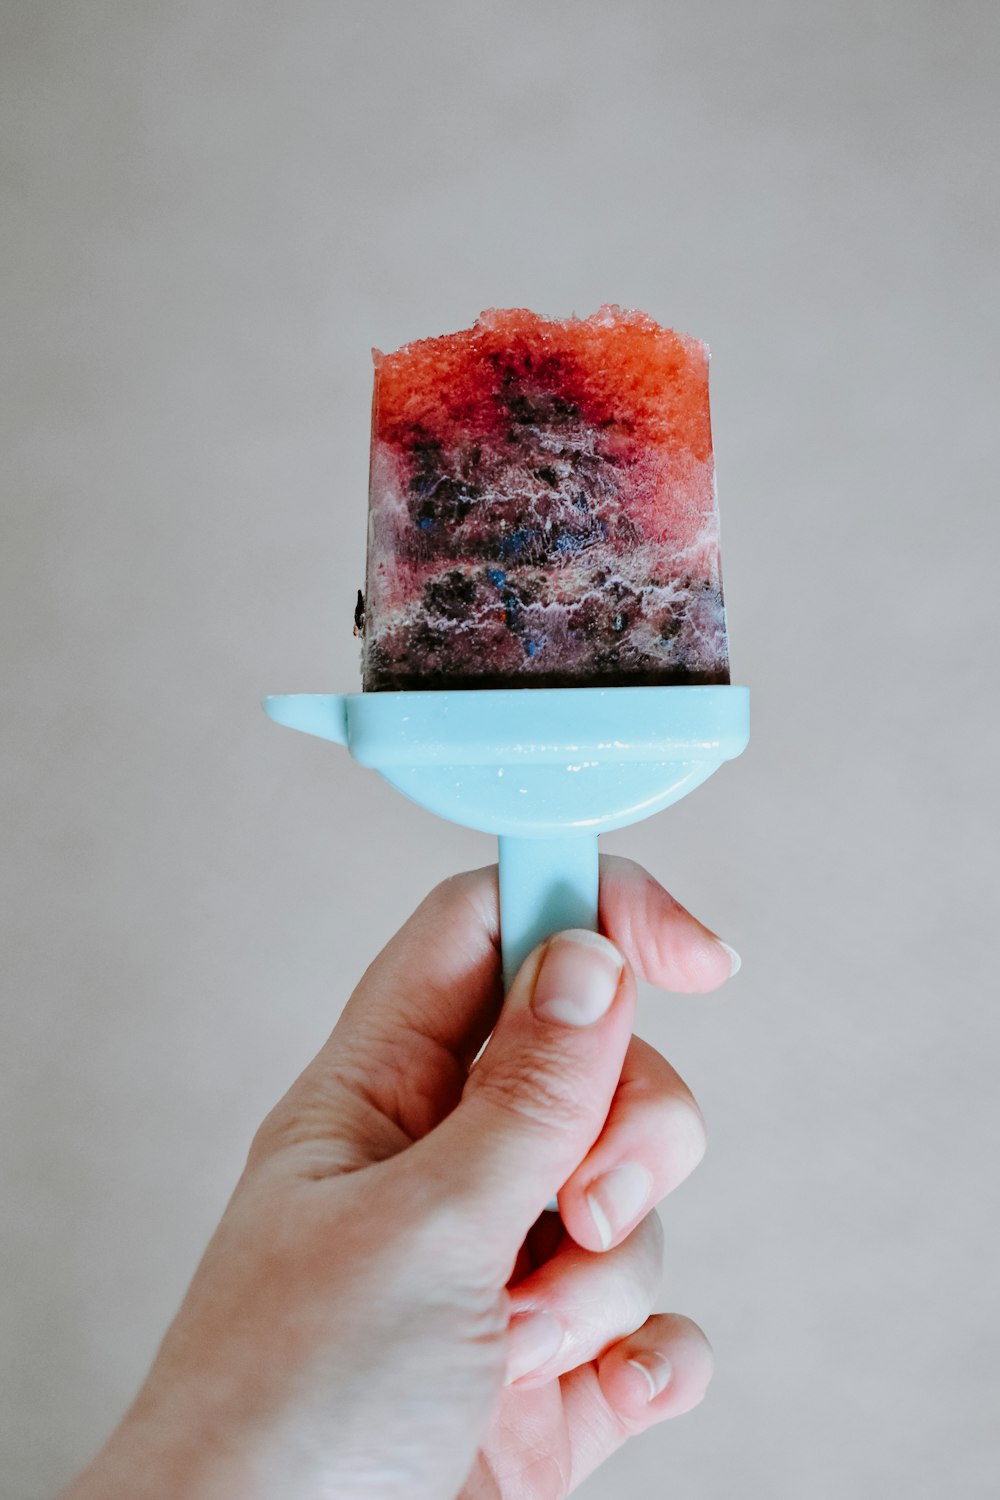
(212,211)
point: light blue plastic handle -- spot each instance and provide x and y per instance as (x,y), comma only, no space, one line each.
(545,769)
(546,885)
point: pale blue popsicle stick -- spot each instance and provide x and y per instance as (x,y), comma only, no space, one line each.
(546,885)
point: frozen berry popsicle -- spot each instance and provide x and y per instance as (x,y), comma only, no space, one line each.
(542,509)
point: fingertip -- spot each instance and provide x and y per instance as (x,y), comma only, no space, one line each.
(679,953)
(665,943)
(706,962)
(735,962)
(662,1371)
(600,1210)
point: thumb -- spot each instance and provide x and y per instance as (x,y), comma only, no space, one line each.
(537,1099)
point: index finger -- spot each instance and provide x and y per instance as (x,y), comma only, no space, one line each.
(431,998)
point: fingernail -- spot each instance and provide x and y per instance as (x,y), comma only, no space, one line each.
(617,1198)
(734,958)
(578,979)
(656,1369)
(533,1338)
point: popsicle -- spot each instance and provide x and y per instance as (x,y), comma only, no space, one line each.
(542,509)
(542,515)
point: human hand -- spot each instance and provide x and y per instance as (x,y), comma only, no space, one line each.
(385,1310)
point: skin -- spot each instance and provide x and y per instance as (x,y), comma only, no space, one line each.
(359,1324)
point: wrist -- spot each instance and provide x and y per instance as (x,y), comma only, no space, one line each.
(171,1450)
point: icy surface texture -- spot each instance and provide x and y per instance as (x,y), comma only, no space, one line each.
(542,509)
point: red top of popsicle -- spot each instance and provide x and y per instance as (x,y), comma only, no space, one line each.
(619,367)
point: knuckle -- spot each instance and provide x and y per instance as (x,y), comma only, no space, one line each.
(454,891)
(268,1137)
(674,1128)
(637,1275)
(536,1086)
(652,1269)
(651,1230)
(685,1135)
(445,892)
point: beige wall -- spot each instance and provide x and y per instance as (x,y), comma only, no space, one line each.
(213,210)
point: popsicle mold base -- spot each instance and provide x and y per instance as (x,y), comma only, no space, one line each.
(544,769)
